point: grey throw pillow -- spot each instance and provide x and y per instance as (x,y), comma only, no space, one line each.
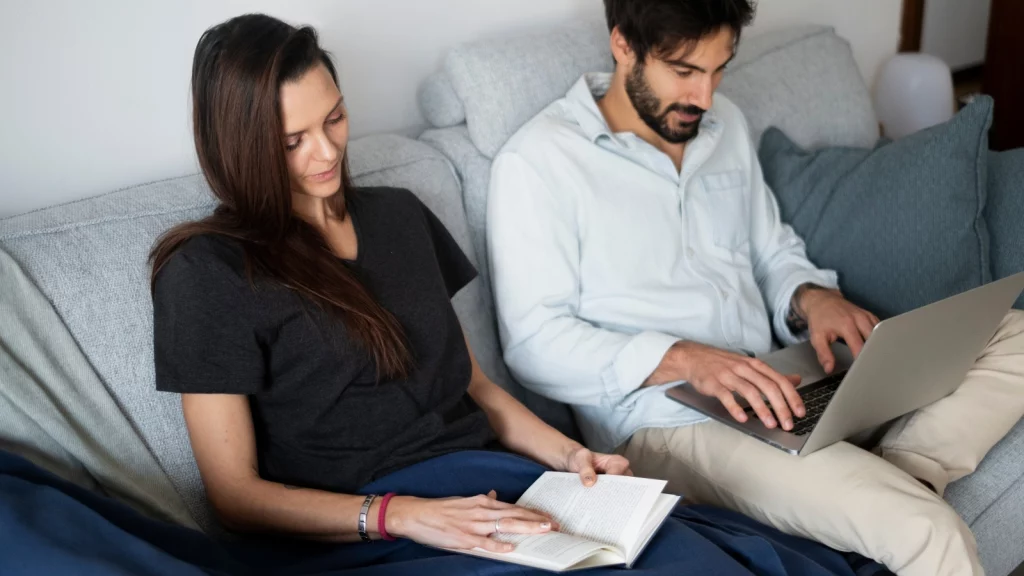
(1005,213)
(903,224)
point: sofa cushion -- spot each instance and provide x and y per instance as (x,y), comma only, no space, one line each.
(503,83)
(439,103)
(1005,213)
(805,81)
(991,501)
(802,79)
(90,260)
(902,223)
(475,170)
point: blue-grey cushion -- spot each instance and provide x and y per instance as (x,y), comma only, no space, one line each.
(902,223)
(89,259)
(1005,213)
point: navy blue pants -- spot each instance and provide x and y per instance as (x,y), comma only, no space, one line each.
(49,526)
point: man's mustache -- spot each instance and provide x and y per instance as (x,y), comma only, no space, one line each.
(690,110)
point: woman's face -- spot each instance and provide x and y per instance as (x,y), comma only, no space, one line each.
(315,133)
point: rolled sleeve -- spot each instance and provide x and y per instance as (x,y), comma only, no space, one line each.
(636,362)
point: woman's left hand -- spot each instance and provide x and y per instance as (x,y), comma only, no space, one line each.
(589,464)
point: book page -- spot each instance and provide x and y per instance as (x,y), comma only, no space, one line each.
(611,512)
(555,548)
(664,506)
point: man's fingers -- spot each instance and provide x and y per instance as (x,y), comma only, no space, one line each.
(726,398)
(851,334)
(865,325)
(787,385)
(770,389)
(753,396)
(820,342)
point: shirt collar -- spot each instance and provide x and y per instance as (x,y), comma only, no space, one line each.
(582,99)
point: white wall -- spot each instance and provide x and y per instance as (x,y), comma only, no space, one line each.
(95,94)
(956,31)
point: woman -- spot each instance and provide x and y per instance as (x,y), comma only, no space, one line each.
(307,325)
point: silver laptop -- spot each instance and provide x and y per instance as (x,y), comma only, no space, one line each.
(909,362)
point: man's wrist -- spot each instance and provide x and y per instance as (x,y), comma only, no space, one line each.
(672,367)
(797,317)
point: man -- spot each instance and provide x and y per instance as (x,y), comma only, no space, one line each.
(634,244)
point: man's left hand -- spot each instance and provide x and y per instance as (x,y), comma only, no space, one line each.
(830,317)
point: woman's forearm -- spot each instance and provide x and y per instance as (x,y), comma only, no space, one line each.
(260,506)
(519,429)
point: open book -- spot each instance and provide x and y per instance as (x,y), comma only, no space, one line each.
(608,524)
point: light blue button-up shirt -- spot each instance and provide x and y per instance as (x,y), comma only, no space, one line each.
(603,255)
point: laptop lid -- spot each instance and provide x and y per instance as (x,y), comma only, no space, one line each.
(914,359)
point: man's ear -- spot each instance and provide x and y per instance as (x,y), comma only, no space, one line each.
(621,50)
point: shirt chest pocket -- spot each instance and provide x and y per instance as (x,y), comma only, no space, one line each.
(728,204)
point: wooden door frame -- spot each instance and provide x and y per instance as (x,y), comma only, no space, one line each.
(913,24)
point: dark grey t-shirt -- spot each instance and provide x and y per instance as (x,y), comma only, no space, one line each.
(321,418)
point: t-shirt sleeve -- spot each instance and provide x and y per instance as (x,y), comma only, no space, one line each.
(455,266)
(204,328)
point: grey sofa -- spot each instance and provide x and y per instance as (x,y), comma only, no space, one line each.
(88,258)
(803,80)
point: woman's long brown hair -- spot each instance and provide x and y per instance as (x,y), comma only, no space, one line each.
(237,71)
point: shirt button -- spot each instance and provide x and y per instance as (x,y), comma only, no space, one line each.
(690,252)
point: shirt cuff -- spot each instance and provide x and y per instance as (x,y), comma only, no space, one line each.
(635,363)
(823,278)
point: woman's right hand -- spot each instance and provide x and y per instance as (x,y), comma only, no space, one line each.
(462,523)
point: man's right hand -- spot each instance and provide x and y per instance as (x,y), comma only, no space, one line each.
(720,373)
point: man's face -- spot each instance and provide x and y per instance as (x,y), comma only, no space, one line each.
(672,93)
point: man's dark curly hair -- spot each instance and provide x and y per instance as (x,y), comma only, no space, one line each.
(661,27)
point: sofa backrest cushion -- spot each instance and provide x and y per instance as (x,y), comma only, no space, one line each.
(803,80)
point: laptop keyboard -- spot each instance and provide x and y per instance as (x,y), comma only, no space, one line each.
(816,398)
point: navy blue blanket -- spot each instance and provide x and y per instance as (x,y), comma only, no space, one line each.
(49,526)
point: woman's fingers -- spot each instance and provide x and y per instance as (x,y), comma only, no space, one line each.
(512,525)
(490,545)
(616,466)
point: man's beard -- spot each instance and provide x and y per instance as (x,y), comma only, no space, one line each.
(648,106)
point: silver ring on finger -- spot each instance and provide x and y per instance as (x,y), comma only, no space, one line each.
(497,526)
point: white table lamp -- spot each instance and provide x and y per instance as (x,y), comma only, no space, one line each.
(914,91)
